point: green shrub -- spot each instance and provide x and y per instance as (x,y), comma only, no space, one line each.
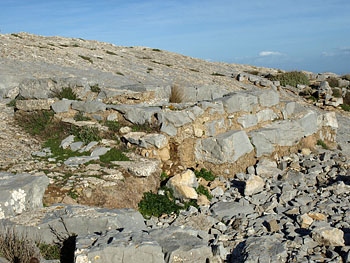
(95,88)
(333,82)
(50,251)
(114,154)
(86,134)
(345,107)
(65,93)
(79,116)
(35,122)
(113,126)
(337,92)
(292,78)
(204,191)
(346,98)
(205,174)
(156,204)
(146,127)
(42,124)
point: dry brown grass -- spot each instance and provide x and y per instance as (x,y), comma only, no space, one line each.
(17,248)
(176,95)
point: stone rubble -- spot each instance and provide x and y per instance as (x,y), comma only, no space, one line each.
(276,198)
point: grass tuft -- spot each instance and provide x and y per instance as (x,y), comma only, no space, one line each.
(292,78)
(65,93)
(177,94)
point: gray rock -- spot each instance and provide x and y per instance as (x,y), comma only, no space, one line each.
(231,209)
(76,161)
(147,141)
(116,246)
(75,146)
(309,123)
(248,120)
(266,115)
(227,147)
(34,105)
(182,245)
(89,106)
(267,97)
(67,141)
(143,168)
(328,236)
(100,151)
(283,133)
(77,220)
(36,88)
(137,115)
(236,102)
(61,106)
(21,192)
(264,249)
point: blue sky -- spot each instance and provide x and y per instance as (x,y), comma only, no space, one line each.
(311,35)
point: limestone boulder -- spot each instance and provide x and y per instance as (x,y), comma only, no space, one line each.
(227,147)
(21,193)
(184,185)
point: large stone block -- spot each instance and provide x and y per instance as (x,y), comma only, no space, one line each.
(135,114)
(283,133)
(116,246)
(227,147)
(309,123)
(20,193)
(34,105)
(267,97)
(240,102)
(89,106)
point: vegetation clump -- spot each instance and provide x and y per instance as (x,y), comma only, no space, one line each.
(201,189)
(66,93)
(205,174)
(17,247)
(95,88)
(292,78)
(114,154)
(158,204)
(333,82)
(86,58)
(36,122)
(322,144)
(176,95)
(86,134)
(79,116)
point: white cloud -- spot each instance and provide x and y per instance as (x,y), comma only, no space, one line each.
(269,53)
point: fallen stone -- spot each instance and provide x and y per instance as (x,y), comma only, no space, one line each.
(253,185)
(264,249)
(328,236)
(184,185)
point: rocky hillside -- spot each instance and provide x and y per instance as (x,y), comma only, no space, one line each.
(228,158)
